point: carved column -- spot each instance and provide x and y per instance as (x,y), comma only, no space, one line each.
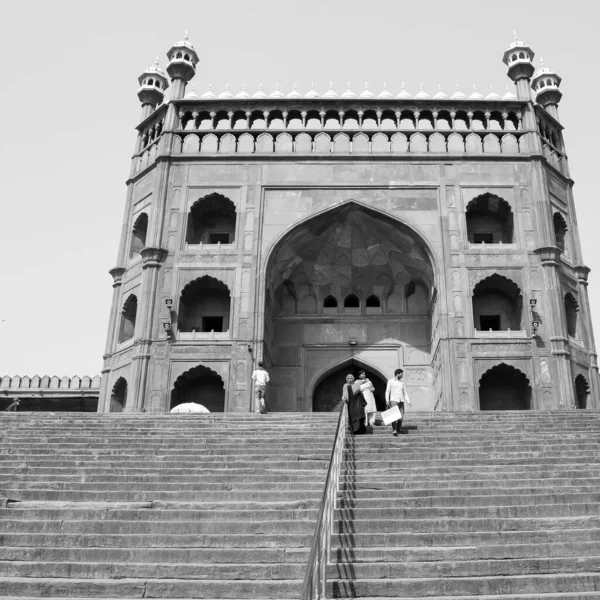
(554,326)
(588,333)
(103,399)
(151,260)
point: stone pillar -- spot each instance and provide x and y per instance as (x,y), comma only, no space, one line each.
(554,326)
(151,259)
(588,333)
(117,275)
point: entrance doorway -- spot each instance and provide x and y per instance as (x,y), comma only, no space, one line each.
(327,396)
(504,388)
(582,391)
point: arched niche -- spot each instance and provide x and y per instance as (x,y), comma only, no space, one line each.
(327,394)
(489,220)
(211,220)
(571,310)
(497,304)
(118,396)
(582,392)
(504,387)
(128,318)
(204,306)
(560,230)
(200,385)
(138,234)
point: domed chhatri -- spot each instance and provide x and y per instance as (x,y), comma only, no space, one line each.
(153,83)
(182,65)
(518,57)
(546,84)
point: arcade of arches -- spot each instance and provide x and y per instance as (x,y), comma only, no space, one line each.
(343,284)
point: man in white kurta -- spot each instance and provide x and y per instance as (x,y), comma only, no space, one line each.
(396,394)
(261,378)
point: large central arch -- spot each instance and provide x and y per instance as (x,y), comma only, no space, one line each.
(351,281)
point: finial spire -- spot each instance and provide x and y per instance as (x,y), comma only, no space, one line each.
(542,61)
(185,35)
(156,63)
(515,36)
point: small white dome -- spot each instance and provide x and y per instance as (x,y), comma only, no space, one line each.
(367,94)
(260,95)
(440,95)
(509,95)
(422,94)
(243,95)
(330,94)
(458,95)
(385,94)
(475,95)
(492,95)
(312,93)
(403,95)
(294,94)
(226,95)
(208,95)
(276,94)
(191,94)
(348,94)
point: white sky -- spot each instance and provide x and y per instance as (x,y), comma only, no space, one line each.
(69,106)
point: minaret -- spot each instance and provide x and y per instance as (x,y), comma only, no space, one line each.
(182,66)
(546,84)
(153,83)
(518,57)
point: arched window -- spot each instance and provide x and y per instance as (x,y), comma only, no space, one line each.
(118,397)
(582,391)
(504,388)
(571,309)
(211,220)
(330,302)
(497,304)
(204,306)
(351,301)
(560,230)
(373,302)
(128,315)
(489,220)
(138,235)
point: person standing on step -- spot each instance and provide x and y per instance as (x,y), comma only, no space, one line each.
(396,395)
(353,397)
(261,378)
(367,389)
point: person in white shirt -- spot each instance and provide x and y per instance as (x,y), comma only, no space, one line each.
(396,394)
(367,389)
(261,379)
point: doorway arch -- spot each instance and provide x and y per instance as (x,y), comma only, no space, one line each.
(318,278)
(327,393)
(504,388)
(118,397)
(582,391)
(202,386)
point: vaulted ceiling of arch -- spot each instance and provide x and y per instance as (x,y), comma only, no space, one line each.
(350,247)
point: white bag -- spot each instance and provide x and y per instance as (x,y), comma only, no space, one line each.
(391,415)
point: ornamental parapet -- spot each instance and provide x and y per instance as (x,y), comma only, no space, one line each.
(37,383)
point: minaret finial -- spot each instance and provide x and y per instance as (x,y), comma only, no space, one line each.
(515,36)
(185,35)
(156,62)
(542,61)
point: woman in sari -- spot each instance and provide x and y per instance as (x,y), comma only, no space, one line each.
(353,397)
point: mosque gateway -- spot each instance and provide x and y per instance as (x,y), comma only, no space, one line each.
(326,232)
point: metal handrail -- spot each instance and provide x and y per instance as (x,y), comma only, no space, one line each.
(315,579)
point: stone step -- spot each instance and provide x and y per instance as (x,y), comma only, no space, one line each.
(457,586)
(406,554)
(150,588)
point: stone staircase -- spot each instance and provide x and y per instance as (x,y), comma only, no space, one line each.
(159,506)
(490,505)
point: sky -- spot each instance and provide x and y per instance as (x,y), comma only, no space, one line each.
(68,95)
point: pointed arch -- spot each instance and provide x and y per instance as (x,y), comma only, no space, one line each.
(138,234)
(582,391)
(571,310)
(118,396)
(560,230)
(201,385)
(212,220)
(489,220)
(128,318)
(504,387)
(497,304)
(204,305)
